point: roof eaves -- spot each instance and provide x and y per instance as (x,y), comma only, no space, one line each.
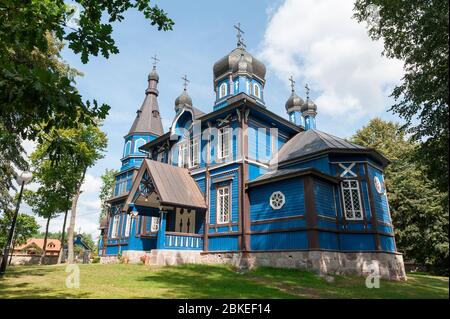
(302,172)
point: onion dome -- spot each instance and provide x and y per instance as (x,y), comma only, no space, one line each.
(243,65)
(239,60)
(153,75)
(182,101)
(294,103)
(309,106)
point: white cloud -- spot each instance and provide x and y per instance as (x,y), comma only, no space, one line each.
(91,184)
(318,42)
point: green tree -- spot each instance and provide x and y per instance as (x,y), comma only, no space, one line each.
(417,207)
(26,227)
(82,147)
(416,32)
(37,90)
(106,190)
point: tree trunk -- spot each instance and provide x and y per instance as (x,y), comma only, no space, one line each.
(73,214)
(63,233)
(44,248)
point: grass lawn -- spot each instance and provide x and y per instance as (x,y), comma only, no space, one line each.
(201,281)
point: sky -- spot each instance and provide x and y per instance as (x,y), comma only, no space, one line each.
(315,41)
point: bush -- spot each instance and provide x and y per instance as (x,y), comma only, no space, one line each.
(96,260)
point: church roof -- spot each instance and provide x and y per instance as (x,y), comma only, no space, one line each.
(313,142)
(284,173)
(148,118)
(171,184)
(229,63)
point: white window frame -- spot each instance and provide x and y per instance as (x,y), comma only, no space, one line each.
(194,152)
(346,186)
(223,214)
(223,87)
(115,226)
(224,151)
(127,145)
(154,224)
(136,144)
(183,154)
(127,225)
(256,88)
(275,198)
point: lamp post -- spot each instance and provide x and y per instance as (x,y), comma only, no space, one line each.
(22,179)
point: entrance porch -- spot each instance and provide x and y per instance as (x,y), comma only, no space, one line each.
(168,207)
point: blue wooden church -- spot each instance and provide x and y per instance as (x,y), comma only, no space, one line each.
(245,186)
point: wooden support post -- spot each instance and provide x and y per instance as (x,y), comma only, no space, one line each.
(310,213)
(373,211)
(160,241)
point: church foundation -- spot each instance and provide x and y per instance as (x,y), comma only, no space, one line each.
(389,265)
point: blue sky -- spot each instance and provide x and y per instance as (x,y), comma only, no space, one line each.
(314,40)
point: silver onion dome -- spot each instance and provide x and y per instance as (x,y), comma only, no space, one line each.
(243,65)
(309,106)
(294,103)
(230,63)
(183,100)
(153,75)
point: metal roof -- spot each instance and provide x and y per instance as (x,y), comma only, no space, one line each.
(173,185)
(148,118)
(312,142)
(285,173)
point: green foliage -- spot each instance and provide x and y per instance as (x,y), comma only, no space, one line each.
(26,227)
(416,32)
(107,190)
(418,208)
(37,89)
(96,260)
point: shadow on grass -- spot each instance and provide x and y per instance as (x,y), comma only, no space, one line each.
(201,281)
(11,289)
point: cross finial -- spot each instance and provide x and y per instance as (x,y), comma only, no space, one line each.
(240,32)
(155,60)
(291,79)
(307,90)
(186,81)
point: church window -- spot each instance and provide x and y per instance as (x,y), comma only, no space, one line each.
(256,91)
(127,148)
(224,143)
(194,151)
(127,225)
(351,199)
(277,200)
(223,205)
(183,155)
(154,224)
(138,143)
(236,86)
(222,90)
(115,226)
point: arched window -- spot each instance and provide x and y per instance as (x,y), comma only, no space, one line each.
(138,143)
(256,91)
(222,90)
(127,148)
